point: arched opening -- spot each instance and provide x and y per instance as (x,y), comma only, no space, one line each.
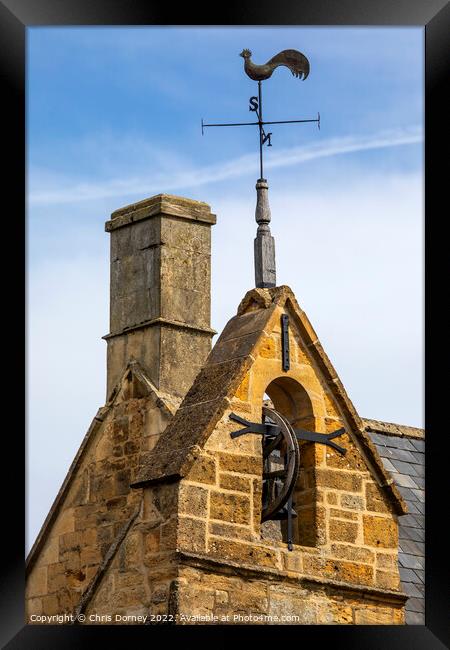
(289,398)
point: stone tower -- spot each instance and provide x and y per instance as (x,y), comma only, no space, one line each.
(160,290)
(159,517)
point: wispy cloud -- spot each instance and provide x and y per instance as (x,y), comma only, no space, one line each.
(194,177)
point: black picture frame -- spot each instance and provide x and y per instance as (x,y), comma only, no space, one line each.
(15,17)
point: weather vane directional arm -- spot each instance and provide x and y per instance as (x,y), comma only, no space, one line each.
(265,275)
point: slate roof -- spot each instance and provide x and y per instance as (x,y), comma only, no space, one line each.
(402,450)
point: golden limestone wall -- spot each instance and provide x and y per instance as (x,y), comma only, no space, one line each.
(194,550)
(344,564)
(97,506)
(140,579)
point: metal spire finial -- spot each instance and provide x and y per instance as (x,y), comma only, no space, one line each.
(264,245)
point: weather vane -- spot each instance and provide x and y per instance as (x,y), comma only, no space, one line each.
(264,246)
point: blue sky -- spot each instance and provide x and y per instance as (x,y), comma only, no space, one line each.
(113,116)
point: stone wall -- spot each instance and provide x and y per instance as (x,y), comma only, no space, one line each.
(190,547)
(97,503)
(349,536)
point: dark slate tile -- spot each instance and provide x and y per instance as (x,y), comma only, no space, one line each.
(403,480)
(420,506)
(421,520)
(419,480)
(415,605)
(419,445)
(411,505)
(420,494)
(417,458)
(384,452)
(409,520)
(411,547)
(401,443)
(388,465)
(407,494)
(400,454)
(414,618)
(404,468)
(421,589)
(407,575)
(411,590)
(408,532)
(410,561)
(379,439)
(420,575)
(420,470)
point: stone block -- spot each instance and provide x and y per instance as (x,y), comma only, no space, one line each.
(252,598)
(302,610)
(132,549)
(339,480)
(122,480)
(353,502)
(195,237)
(50,605)
(70,541)
(234,508)
(33,606)
(245,553)
(332,498)
(50,552)
(37,582)
(353,553)
(343,514)
(234,482)
(387,579)
(221,597)
(193,499)
(334,613)
(203,470)
(152,541)
(192,534)
(380,532)
(352,460)
(65,522)
(343,531)
(169,534)
(240,464)
(349,572)
(231,531)
(242,391)
(267,348)
(293,561)
(374,616)
(102,487)
(387,561)
(375,500)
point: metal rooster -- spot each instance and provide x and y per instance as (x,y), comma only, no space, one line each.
(297,63)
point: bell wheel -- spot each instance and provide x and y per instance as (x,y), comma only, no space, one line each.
(281,464)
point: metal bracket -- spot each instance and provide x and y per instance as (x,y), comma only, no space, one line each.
(322,438)
(285,342)
(273,430)
(253,427)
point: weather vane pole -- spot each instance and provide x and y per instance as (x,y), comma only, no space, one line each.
(264,244)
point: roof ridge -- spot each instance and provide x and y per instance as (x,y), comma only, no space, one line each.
(393,429)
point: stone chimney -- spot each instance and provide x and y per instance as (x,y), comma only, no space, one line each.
(160,300)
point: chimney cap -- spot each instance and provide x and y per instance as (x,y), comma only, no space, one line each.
(167,204)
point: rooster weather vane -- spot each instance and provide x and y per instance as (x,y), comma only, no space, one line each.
(264,245)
